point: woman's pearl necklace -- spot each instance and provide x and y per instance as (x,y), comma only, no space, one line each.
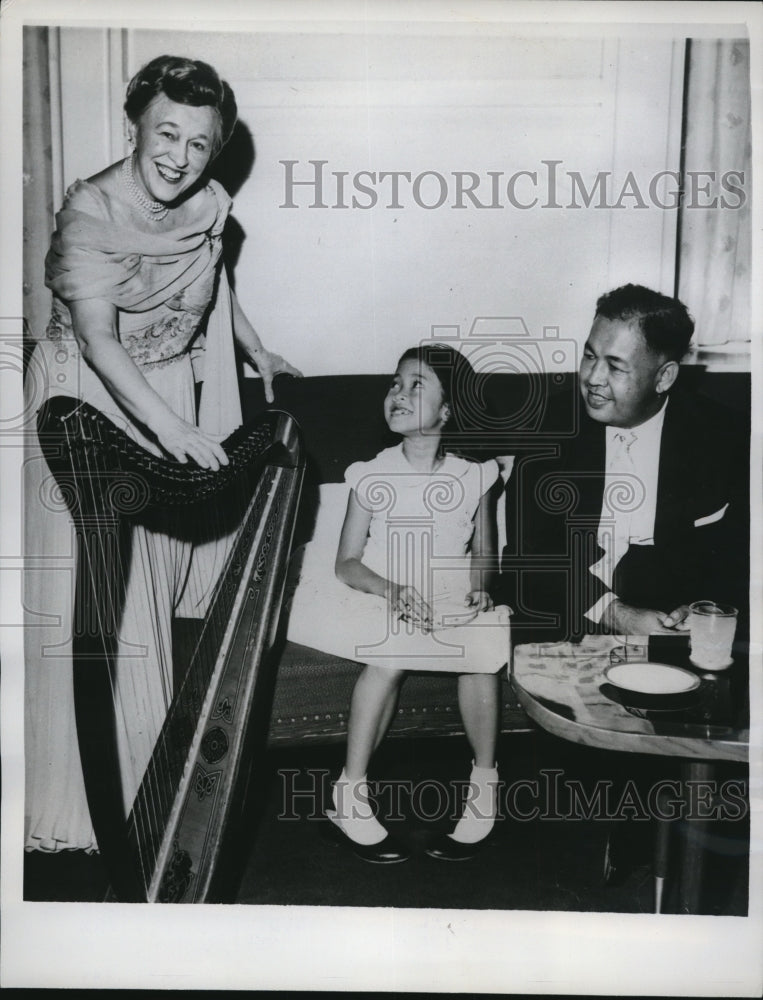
(152,210)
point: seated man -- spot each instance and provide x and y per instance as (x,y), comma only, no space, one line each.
(642,506)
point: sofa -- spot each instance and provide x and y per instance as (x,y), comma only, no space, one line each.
(340,418)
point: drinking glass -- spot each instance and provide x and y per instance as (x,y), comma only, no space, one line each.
(712,628)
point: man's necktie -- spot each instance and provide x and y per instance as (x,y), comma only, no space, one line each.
(622,494)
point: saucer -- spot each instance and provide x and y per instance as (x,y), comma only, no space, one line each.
(651,678)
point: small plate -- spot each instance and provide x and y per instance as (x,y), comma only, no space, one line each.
(652,678)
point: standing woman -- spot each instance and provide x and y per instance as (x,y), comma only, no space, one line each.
(140,299)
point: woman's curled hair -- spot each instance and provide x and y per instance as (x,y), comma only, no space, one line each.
(185,81)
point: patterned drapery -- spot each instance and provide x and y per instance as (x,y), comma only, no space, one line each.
(716,243)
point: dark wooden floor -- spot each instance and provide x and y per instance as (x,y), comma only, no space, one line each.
(550,862)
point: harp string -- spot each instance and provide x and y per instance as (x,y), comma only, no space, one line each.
(98,545)
(137,678)
(153,574)
(154,797)
(157,794)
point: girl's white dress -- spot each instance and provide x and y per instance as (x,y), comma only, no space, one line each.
(420,531)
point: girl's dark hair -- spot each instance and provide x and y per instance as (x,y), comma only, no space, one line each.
(185,81)
(459,388)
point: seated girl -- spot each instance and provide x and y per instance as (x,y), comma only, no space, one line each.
(413,568)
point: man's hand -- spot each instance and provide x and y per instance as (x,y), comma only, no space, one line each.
(624,619)
(678,620)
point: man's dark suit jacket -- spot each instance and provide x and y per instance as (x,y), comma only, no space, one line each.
(701,532)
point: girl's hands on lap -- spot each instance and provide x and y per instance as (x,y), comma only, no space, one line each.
(185,441)
(406,603)
(479,599)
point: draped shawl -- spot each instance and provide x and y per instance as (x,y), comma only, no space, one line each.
(93,257)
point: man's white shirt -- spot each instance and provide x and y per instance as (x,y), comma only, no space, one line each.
(629,504)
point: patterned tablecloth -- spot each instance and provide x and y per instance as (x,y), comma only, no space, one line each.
(562,687)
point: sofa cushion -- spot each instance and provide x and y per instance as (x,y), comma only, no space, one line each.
(311,701)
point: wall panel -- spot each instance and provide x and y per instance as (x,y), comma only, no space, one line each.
(346,287)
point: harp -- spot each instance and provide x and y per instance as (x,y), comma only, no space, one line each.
(174,844)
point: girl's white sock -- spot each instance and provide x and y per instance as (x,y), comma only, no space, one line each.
(480,808)
(353,813)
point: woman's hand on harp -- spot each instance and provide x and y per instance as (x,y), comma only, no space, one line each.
(269,365)
(184,441)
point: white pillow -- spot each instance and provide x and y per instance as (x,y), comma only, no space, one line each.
(320,551)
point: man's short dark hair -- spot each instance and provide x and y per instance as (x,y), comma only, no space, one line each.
(664,322)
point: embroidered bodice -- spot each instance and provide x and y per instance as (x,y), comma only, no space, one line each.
(162,284)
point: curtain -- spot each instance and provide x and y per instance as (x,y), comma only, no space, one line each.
(716,243)
(37,179)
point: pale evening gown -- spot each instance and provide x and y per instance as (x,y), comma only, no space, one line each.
(162,286)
